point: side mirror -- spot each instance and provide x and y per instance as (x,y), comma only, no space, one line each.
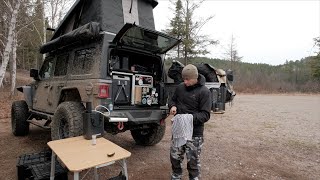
(35,74)
(229,75)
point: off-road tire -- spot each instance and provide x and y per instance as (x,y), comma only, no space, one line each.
(67,120)
(150,136)
(19,115)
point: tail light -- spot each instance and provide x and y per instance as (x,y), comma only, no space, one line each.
(103,91)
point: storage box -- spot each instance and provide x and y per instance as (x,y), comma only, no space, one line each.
(25,160)
(42,171)
(121,88)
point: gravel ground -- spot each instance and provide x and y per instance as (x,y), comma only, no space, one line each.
(259,137)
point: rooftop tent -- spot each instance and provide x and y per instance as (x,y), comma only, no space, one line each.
(110,14)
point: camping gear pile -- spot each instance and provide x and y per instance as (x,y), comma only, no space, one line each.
(219,82)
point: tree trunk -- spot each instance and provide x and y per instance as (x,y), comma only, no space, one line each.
(44,33)
(8,47)
(178,52)
(14,64)
(187,31)
(23,60)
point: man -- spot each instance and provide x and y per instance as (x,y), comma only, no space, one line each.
(190,97)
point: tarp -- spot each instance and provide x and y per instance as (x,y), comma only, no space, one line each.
(84,33)
(209,72)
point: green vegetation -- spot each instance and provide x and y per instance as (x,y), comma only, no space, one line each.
(293,76)
(186,27)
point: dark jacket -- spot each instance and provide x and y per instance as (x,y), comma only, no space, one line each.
(195,100)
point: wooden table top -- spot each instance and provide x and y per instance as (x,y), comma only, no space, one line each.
(78,153)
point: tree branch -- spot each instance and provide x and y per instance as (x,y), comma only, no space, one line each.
(25,26)
(4,36)
(8,4)
(2,43)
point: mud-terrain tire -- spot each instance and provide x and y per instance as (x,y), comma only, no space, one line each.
(67,120)
(150,136)
(19,115)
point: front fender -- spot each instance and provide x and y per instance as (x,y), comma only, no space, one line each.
(27,92)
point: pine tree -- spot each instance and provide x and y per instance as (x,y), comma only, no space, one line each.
(176,25)
(39,29)
(315,62)
(185,26)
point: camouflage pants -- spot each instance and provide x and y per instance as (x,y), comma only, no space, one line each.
(192,149)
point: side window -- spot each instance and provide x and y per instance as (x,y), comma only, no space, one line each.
(46,68)
(61,65)
(83,61)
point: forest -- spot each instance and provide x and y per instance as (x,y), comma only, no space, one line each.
(291,77)
(25,25)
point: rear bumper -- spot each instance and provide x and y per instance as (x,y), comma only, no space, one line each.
(140,116)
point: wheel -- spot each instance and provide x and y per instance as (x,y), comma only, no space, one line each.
(67,120)
(19,115)
(150,136)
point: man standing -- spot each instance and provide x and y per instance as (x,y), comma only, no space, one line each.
(192,98)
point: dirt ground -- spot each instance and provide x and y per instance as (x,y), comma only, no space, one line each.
(259,137)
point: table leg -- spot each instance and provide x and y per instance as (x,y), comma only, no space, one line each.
(76,175)
(53,161)
(96,176)
(124,168)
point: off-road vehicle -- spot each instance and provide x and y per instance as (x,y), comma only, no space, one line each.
(95,56)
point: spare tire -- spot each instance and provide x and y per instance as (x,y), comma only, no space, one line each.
(19,115)
(150,136)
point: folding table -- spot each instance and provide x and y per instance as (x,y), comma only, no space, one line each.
(78,154)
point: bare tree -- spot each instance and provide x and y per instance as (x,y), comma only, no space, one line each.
(10,38)
(14,64)
(232,54)
(57,9)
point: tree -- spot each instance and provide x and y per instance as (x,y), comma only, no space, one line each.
(185,26)
(315,61)
(176,25)
(10,38)
(39,27)
(317,44)
(22,29)
(57,10)
(232,54)
(13,72)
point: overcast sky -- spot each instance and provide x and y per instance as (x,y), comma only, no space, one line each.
(268,32)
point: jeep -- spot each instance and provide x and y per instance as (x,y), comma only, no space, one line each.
(85,63)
